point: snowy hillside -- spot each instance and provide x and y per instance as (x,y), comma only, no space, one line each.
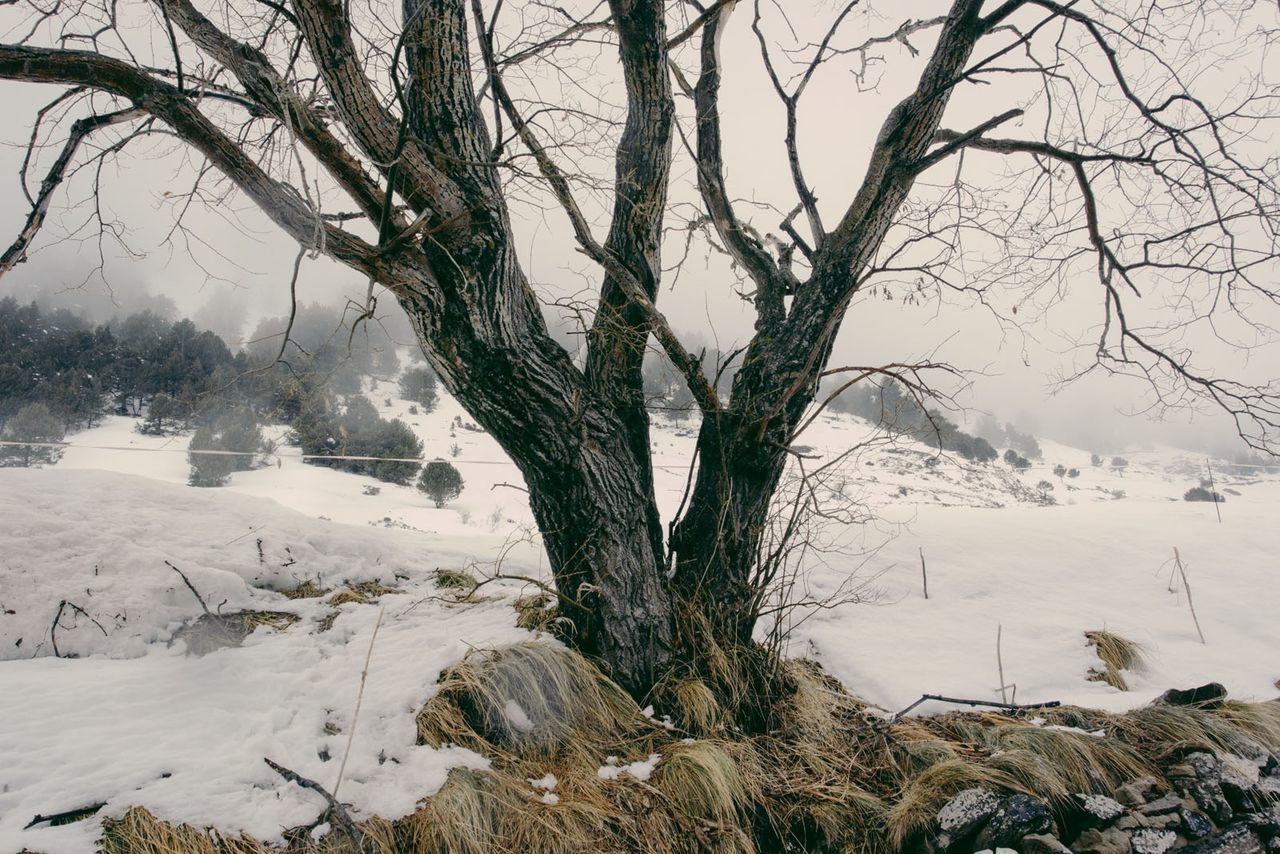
(132,718)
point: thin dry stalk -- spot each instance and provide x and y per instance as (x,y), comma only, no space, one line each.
(1177,559)
(355,716)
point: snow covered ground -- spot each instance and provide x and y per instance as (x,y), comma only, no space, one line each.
(135,720)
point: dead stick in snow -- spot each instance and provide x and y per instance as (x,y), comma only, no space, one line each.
(1009,707)
(1213,491)
(337,812)
(57,622)
(1177,559)
(924,575)
(1000,664)
(190,587)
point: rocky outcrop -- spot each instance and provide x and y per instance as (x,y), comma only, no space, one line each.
(1206,803)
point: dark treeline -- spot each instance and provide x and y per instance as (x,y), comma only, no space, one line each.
(59,373)
(890,406)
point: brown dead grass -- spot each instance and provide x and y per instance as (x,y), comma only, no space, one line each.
(1118,655)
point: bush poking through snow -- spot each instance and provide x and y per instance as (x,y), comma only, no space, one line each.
(1117,654)
(441,482)
(1199,493)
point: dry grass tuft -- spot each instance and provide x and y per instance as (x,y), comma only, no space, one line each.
(706,781)
(1234,727)
(459,580)
(928,790)
(1118,655)
(306,590)
(536,700)
(696,705)
(138,831)
(347,595)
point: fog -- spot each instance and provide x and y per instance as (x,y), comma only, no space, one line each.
(227,267)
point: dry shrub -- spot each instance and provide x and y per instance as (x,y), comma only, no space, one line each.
(1117,654)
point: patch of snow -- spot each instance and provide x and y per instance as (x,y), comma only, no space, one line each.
(547,782)
(641,769)
(516,716)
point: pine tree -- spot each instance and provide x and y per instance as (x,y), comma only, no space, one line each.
(441,482)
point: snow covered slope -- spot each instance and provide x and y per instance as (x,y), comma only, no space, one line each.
(135,720)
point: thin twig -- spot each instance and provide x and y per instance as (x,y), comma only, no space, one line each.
(355,716)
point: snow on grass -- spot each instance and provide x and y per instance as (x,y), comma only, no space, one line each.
(184,735)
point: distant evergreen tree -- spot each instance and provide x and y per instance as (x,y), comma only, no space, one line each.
(236,430)
(1016,461)
(441,482)
(418,384)
(32,423)
(163,416)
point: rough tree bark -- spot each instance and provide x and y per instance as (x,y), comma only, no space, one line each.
(412,151)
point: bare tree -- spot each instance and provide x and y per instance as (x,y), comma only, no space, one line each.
(1127,146)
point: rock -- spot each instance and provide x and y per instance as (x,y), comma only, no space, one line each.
(1234,840)
(1266,821)
(1137,792)
(1166,804)
(1098,810)
(1109,841)
(1163,821)
(1017,817)
(965,813)
(1043,843)
(1204,786)
(1153,841)
(1195,825)
(1205,695)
